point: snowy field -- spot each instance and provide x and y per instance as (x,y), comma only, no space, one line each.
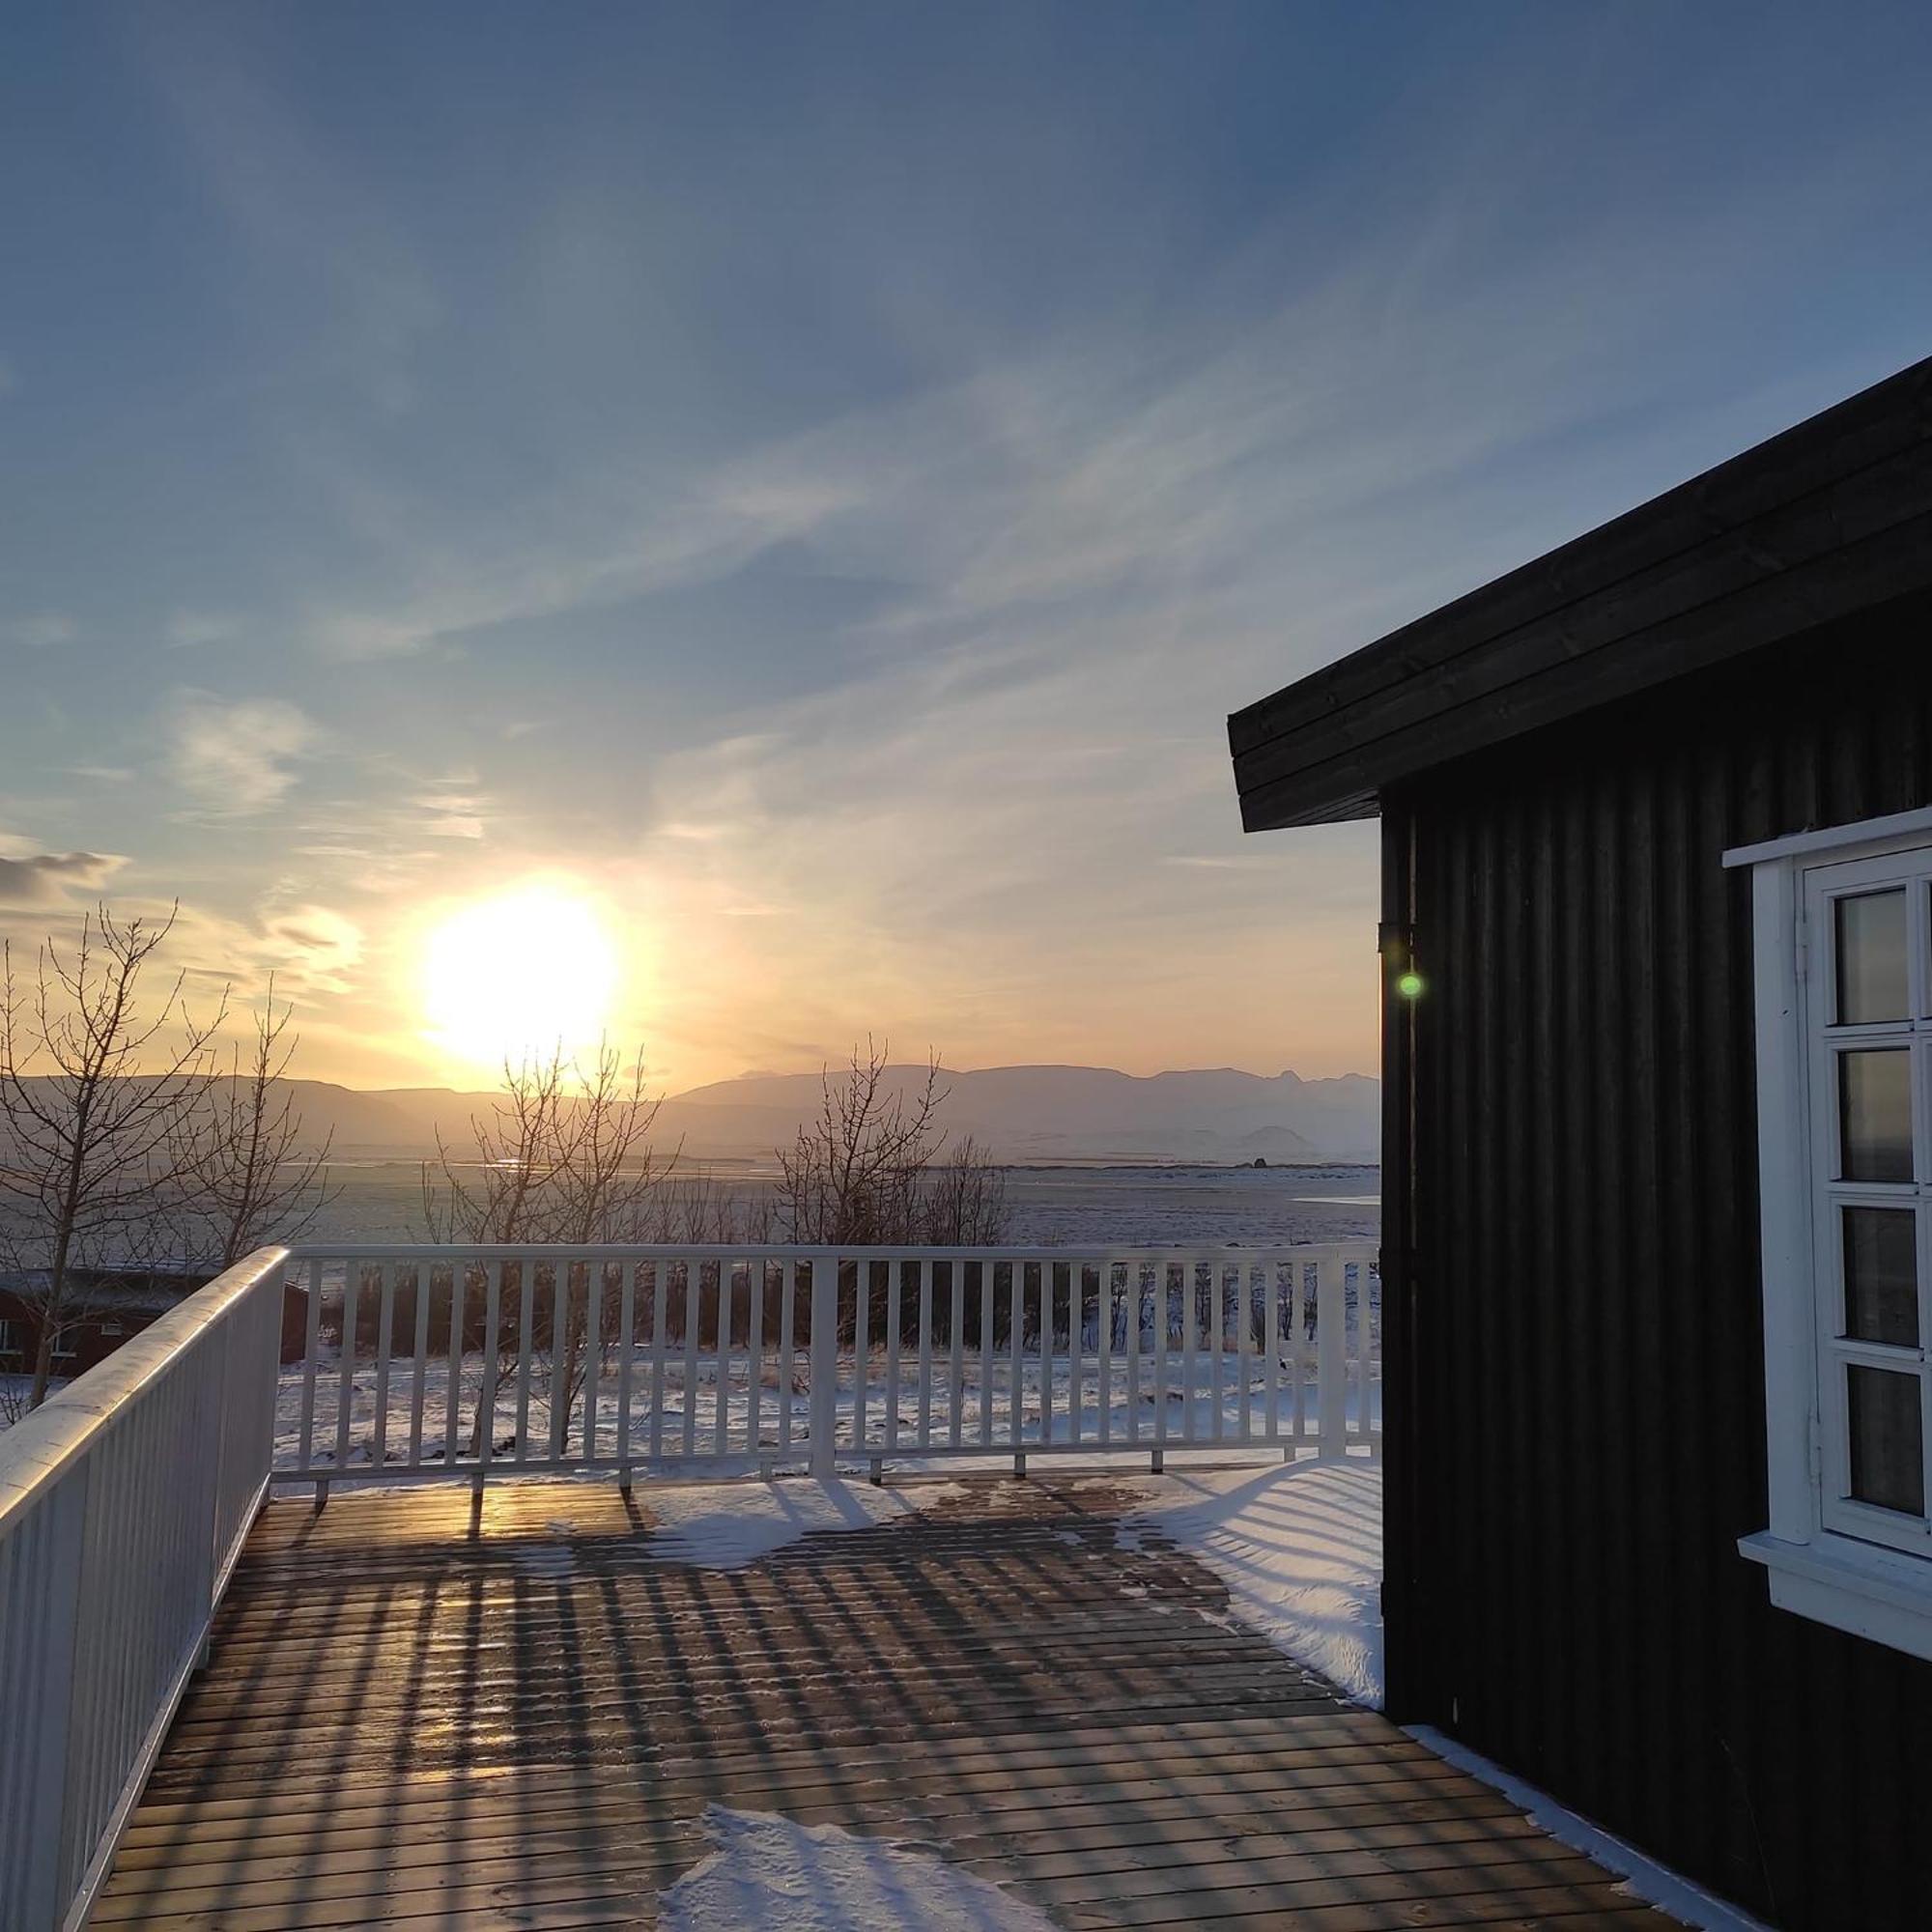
(1150,1205)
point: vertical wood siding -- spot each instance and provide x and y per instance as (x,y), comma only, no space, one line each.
(1576,1407)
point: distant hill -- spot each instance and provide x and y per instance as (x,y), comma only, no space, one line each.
(1083,1113)
(1021,1113)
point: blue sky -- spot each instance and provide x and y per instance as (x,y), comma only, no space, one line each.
(812,481)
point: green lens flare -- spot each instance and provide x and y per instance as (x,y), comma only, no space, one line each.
(1409,986)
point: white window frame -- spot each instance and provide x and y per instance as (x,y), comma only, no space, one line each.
(1827,1557)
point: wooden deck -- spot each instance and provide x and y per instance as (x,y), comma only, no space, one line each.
(413,1717)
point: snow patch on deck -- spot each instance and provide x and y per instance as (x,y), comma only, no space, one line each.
(726,1525)
(768,1871)
(1300,1547)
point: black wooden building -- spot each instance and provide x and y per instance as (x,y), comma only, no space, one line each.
(1658,1227)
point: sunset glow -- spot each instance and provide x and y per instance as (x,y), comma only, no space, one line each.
(519,974)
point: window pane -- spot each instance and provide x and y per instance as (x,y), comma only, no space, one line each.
(1871,957)
(1888,1448)
(1875,1114)
(1882,1275)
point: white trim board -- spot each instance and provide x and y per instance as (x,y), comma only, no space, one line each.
(1642,1876)
(1910,826)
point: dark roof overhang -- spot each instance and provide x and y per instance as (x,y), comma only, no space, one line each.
(1829,517)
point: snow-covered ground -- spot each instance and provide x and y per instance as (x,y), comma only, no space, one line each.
(768,1871)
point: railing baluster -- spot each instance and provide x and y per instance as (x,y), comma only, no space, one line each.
(788,1350)
(527,1298)
(1297,1356)
(596,1299)
(893,1273)
(1016,1350)
(754,1351)
(1103,1337)
(955,1354)
(1132,1288)
(1217,1303)
(493,1362)
(694,1289)
(1044,1381)
(563,1357)
(345,1360)
(824,1371)
(727,1299)
(1190,1367)
(862,1352)
(988,1272)
(1271,1329)
(311,1351)
(1076,1353)
(452,1389)
(925,1354)
(1331,1344)
(660,1295)
(419,1374)
(378,1447)
(1160,1430)
(627,1337)
(1245,1349)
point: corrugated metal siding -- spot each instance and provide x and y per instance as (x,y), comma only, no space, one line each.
(1575,1355)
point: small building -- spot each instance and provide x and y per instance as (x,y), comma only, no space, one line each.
(1657,936)
(107,1306)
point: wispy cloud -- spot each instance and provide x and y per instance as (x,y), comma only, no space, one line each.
(236,756)
(42,629)
(187,629)
(311,948)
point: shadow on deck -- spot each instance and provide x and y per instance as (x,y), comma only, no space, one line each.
(414,1715)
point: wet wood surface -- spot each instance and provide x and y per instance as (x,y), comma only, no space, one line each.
(419,1711)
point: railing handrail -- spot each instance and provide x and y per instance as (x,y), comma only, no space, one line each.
(738,1251)
(123,1501)
(39,1449)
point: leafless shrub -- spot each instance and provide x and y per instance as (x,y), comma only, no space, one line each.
(873,1171)
(239,1171)
(94,1090)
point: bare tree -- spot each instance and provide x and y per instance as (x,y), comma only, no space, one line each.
(963,1203)
(853,1176)
(869,1172)
(564,1155)
(238,1168)
(873,1169)
(93,1090)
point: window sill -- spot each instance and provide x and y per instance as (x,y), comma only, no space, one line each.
(1882,1594)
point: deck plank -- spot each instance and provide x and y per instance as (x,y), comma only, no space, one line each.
(424,1710)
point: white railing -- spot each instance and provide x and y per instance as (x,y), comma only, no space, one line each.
(442,1362)
(123,1504)
(124,1500)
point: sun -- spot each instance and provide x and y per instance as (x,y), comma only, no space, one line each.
(519,975)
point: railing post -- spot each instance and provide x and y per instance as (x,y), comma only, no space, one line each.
(1331,1352)
(823,1357)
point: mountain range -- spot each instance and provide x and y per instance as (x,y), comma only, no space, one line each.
(1023,1114)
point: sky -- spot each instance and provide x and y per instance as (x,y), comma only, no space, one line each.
(747,521)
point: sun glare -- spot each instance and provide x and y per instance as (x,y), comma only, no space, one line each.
(518,975)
